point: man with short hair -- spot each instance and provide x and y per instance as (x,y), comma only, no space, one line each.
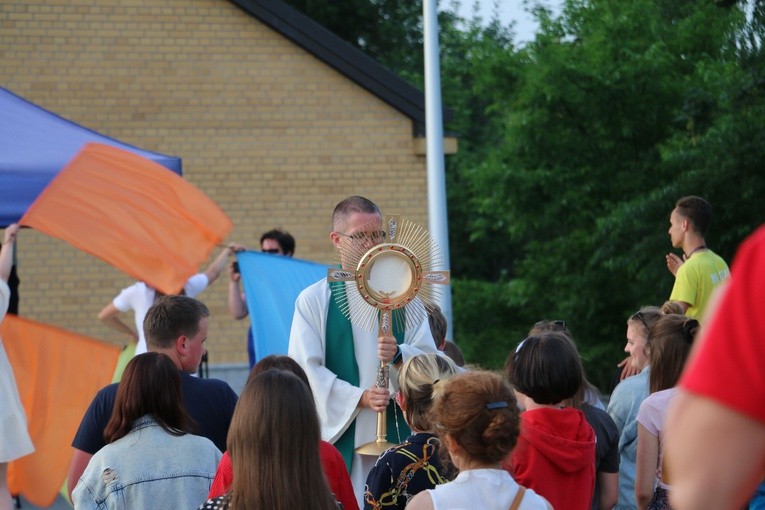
(275,242)
(700,270)
(176,326)
(341,359)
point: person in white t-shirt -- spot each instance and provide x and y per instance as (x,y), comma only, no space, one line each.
(275,242)
(139,297)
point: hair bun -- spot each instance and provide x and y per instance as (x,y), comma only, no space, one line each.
(690,326)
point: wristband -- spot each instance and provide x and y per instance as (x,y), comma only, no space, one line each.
(397,357)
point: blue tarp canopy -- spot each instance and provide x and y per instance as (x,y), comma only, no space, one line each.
(36,144)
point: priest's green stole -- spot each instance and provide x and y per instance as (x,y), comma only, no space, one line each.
(340,358)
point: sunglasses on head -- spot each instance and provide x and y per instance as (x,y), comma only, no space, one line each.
(639,316)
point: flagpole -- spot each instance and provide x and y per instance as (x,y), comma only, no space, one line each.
(434,132)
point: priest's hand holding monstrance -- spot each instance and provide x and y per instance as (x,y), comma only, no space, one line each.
(392,282)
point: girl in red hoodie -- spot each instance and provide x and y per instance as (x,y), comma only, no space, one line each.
(555,454)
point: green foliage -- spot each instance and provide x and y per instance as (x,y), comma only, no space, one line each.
(486,323)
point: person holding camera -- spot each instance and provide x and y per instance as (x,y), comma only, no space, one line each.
(275,242)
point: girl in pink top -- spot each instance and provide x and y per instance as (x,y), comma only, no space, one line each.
(669,342)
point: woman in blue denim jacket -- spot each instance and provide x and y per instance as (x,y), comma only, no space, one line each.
(626,399)
(150,460)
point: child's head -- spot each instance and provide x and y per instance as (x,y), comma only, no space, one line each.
(478,411)
(416,380)
(546,368)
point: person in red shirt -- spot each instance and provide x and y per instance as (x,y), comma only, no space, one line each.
(555,454)
(716,425)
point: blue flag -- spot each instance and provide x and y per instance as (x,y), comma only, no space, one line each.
(271,285)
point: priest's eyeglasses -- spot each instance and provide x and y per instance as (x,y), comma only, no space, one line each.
(376,236)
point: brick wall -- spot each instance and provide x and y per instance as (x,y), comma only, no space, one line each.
(272,134)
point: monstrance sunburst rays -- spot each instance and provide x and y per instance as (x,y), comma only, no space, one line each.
(399,273)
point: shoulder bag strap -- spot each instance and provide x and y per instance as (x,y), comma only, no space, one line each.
(518,498)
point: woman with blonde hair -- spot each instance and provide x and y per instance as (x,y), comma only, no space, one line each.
(414,465)
(627,397)
(274,446)
(477,419)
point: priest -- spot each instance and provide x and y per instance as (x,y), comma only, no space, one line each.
(342,358)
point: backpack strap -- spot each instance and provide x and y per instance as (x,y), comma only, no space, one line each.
(518,498)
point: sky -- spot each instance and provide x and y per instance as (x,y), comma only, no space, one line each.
(508,10)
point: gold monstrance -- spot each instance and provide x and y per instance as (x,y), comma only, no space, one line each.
(397,273)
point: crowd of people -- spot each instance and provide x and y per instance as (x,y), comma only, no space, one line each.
(536,435)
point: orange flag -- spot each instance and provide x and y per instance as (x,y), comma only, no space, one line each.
(132,213)
(58,374)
